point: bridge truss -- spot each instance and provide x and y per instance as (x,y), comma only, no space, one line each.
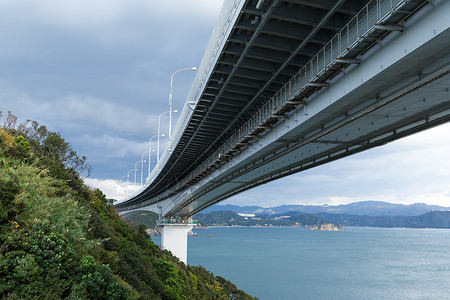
(266,59)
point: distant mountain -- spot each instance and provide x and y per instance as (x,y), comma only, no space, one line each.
(432,219)
(236,209)
(367,208)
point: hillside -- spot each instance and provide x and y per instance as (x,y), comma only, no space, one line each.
(147,218)
(229,218)
(432,219)
(61,239)
(364,208)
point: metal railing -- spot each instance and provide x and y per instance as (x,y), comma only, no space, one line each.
(178,222)
(219,34)
(361,25)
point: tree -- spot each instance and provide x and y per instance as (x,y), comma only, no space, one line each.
(10,121)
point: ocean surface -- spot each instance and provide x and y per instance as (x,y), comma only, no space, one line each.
(359,263)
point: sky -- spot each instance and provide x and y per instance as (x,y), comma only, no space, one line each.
(98,72)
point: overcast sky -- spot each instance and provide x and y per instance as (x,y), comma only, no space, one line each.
(98,72)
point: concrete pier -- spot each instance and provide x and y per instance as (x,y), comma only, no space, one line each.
(174,238)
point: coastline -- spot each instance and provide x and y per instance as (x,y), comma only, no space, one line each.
(306,228)
(257,226)
(153,232)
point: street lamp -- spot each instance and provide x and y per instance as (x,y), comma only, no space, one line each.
(135,170)
(128,175)
(159,131)
(150,152)
(170,101)
(121,179)
(142,166)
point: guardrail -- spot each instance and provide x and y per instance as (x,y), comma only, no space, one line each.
(361,25)
(218,35)
(178,222)
(375,12)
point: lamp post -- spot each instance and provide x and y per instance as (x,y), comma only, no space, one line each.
(128,175)
(150,152)
(121,180)
(142,165)
(159,134)
(135,171)
(170,101)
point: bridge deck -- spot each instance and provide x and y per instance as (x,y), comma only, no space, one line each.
(273,59)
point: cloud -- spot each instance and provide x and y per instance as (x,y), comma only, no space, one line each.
(98,71)
(113,189)
(89,15)
(126,50)
(91,112)
(110,147)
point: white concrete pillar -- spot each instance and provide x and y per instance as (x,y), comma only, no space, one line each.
(174,239)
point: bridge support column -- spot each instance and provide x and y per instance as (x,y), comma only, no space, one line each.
(174,238)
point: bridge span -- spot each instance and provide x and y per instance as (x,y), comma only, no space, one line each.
(286,85)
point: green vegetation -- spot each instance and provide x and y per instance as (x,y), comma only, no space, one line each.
(432,219)
(147,218)
(229,218)
(61,239)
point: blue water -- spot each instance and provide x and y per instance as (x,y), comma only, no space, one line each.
(359,263)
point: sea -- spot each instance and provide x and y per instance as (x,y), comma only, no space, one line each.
(358,263)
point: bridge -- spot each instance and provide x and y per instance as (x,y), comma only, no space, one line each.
(287,85)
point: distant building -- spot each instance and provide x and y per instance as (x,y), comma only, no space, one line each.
(247,215)
(282,217)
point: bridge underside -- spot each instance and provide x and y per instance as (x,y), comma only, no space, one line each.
(418,107)
(267,43)
(265,47)
(394,85)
